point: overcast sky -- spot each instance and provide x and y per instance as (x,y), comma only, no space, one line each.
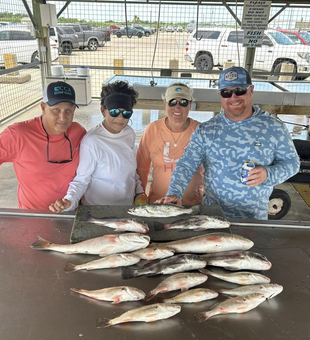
(169,13)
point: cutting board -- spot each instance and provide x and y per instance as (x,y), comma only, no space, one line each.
(82,230)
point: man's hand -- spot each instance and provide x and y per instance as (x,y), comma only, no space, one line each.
(60,205)
(256,176)
(171,199)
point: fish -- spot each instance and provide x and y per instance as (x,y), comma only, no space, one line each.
(149,313)
(232,305)
(171,265)
(118,224)
(238,260)
(162,210)
(182,281)
(193,296)
(103,245)
(114,294)
(269,290)
(241,278)
(110,261)
(208,243)
(197,223)
(155,253)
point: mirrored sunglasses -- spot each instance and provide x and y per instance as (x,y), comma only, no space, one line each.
(116,112)
(182,102)
(239,91)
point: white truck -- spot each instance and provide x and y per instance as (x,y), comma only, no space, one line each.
(213,46)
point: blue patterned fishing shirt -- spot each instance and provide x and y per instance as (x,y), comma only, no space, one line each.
(221,146)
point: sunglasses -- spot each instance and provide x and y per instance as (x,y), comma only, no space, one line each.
(116,112)
(48,149)
(182,102)
(239,91)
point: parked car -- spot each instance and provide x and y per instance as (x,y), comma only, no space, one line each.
(67,38)
(298,37)
(20,40)
(87,37)
(147,30)
(179,29)
(170,29)
(114,27)
(131,31)
(217,45)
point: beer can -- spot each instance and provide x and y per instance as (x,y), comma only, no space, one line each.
(246,167)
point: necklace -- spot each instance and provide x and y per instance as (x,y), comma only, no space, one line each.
(176,141)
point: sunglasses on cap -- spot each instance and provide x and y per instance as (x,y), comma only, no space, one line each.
(182,102)
(116,112)
(239,91)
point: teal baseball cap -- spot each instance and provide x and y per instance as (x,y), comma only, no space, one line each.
(234,77)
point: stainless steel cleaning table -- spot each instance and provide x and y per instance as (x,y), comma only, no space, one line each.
(36,301)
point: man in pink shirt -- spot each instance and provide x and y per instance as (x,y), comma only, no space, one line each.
(44,150)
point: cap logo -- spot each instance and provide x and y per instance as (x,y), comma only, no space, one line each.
(177,89)
(231,76)
(62,90)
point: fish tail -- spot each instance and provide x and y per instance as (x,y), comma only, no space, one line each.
(129,273)
(103,323)
(159,226)
(195,209)
(70,268)
(77,290)
(41,244)
(150,296)
(203,316)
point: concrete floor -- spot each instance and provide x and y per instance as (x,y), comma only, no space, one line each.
(89,116)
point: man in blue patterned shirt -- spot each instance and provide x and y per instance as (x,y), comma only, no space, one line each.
(241,132)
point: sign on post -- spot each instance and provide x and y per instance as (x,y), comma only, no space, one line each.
(254,21)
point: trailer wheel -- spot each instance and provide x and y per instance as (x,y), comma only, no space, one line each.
(93,45)
(279,204)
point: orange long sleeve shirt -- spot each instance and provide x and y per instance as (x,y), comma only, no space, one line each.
(157,148)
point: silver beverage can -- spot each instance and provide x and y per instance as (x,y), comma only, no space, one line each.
(246,167)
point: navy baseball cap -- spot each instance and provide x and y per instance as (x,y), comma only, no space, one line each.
(234,77)
(58,92)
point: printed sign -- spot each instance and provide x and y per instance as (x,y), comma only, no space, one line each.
(255,15)
(253,38)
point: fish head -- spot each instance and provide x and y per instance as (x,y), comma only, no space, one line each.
(164,252)
(259,260)
(256,297)
(135,238)
(271,290)
(135,293)
(241,242)
(171,308)
(140,225)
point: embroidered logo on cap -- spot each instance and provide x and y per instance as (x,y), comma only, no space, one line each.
(177,89)
(231,76)
(62,90)
(257,144)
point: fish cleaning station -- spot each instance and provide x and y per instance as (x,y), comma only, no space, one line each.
(116,253)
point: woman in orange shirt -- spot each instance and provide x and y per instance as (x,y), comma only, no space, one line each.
(163,143)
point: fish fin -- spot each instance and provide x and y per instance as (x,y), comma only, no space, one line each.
(184,289)
(205,271)
(102,323)
(41,244)
(77,290)
(69,252)
(70,268)
(195,209)
(116,301)
(129,273)
(149,296)
(103,252)
(159,226)
(203,316)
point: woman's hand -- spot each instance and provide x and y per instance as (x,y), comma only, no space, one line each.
(60,205)
(171,199)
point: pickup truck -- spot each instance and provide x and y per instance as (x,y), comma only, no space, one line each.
(67,39)
(214,46)
(86,36)
(131,31)
(147,30)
